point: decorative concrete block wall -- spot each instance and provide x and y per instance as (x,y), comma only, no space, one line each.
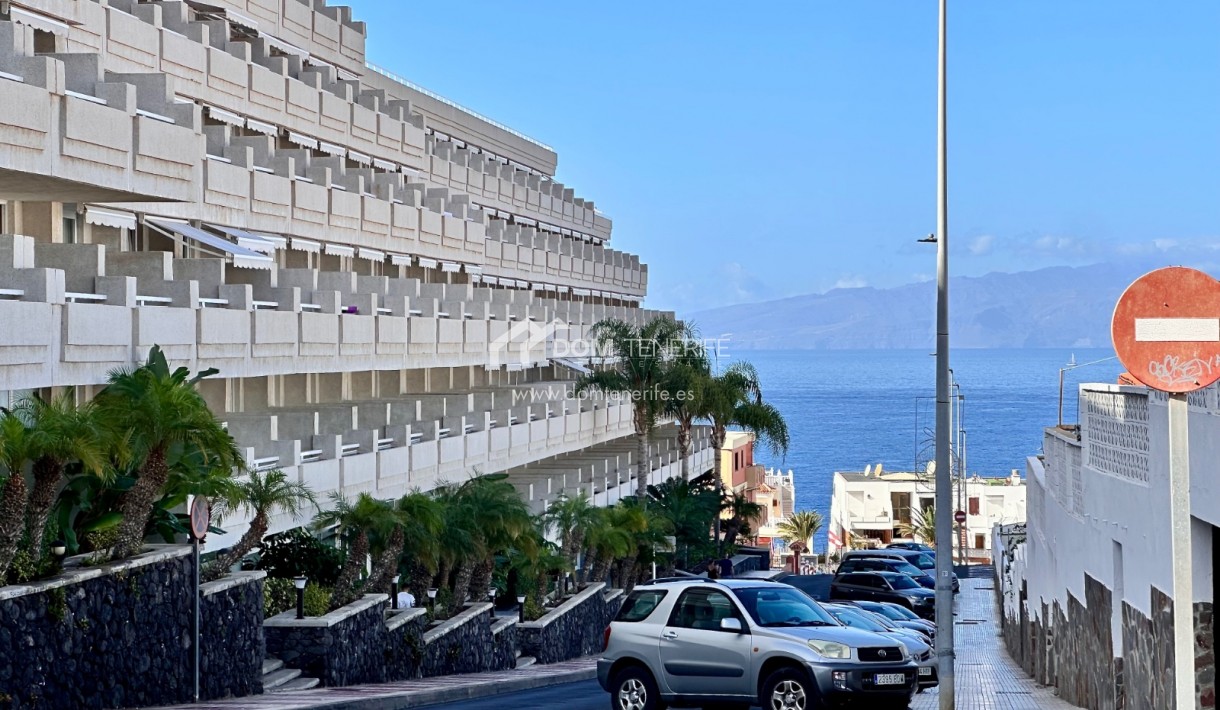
(119,635)
(345,647)
(573,629)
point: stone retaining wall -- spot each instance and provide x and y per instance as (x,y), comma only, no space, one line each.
(462,644)
(1074,651)
(345,647)
(574,629)
(119,635)
(503,645)
(404,650)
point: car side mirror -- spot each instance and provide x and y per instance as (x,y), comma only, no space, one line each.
(731,624)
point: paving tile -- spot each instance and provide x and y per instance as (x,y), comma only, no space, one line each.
(987,678)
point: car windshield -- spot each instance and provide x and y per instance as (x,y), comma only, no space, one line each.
(901,581)
(888,612)
(900,612)
(923,562)
(908,568)
(776,607)
(856,620)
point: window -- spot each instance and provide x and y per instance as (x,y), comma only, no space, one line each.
(640,605)
(974,506)
(702,609)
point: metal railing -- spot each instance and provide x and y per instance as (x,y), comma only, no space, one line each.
(449,102)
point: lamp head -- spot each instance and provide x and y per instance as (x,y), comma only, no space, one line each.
(58,548)
(300,582)
(520,598)
(395,578)
(432,593)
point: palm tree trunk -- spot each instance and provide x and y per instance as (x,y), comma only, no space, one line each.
(442,574)
(643,467)
(602,568)
(12,518)
(418,580)
(137,503)
(461,585)
(480,580)
(684,448)
(252,537)
(593,559)
(48,474)
(345,585)
(629,570)
(386,565)
(732,527)
(540,587)
(718,436)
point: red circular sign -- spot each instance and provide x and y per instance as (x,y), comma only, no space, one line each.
(201,516)
(960,516)
(1166,329)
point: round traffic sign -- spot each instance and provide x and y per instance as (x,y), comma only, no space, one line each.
(201,517)
(1166,329)
(960,516)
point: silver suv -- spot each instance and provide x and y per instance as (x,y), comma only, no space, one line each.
(736,643)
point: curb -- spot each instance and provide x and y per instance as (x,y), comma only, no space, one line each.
(471,691)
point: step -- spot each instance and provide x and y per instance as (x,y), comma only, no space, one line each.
(525,662)
(295,684)
(518,654)
(280,677)
(272,665)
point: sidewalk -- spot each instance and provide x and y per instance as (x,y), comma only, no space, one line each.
(987,678)
(411,693)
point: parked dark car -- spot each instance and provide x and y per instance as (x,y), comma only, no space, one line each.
(887,564)
(885,587)
(921,560)
(900,616)
(817,586)
(913,546)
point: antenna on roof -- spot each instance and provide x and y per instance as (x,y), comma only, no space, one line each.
(868,470)
(878,469)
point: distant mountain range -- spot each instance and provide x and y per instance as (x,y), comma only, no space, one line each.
(1059,306)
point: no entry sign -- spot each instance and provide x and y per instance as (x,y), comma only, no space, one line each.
(1166,329)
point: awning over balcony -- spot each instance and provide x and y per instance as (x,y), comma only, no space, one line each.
(261,243)
(187,235)
(110,218)
(39,21)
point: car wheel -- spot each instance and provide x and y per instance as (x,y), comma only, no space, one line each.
(634,689)
(789,689)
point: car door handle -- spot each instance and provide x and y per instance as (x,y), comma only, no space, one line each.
(669,635)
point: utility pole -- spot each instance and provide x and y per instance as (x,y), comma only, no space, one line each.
(944,469)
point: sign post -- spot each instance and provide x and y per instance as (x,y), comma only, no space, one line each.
(201,514)
(1166,331)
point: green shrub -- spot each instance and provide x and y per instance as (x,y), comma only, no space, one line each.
(280,595)
(295,552)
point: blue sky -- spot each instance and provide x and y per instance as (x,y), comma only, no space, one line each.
(756,151)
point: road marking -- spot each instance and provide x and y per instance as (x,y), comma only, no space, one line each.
(1174,330)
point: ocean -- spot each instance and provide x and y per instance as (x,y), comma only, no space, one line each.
(847,409)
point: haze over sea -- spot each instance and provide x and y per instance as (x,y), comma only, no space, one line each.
(847,409)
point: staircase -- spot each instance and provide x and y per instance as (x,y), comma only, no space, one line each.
(524,661)
(278,679)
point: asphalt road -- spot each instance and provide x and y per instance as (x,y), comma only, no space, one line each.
(585,695)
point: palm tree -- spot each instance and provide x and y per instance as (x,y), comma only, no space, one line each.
(416,520)
(608,541)
(630,517)
(683,384)
(744,513)
(642,354)
(799,529)
(571,518)
(59,432)
(260,495)
(734,398)
(922,527)
(157,408)
(689,508)
(484,515)
(357,522)
(14,454)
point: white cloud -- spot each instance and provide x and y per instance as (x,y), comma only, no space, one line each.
(981,245)
(850,282)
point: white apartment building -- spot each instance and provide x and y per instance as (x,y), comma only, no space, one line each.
(870,507)
(386,281)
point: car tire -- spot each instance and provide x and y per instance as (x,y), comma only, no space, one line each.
(789,689)
(634,688)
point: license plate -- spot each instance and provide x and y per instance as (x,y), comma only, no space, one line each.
(925,671)
(890,679)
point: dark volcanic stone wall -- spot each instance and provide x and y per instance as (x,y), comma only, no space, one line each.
(345,647)
(1088,680)
(121,637)
(574,629)
(503,645)
(232,647)
(404,650)
(462,644)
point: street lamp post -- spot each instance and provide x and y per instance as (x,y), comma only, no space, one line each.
(944,472)
(300,583)
(432,600)
(491,597)
(394,591)
(521,608)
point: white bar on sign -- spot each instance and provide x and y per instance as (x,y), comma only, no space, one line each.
(1173,330)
